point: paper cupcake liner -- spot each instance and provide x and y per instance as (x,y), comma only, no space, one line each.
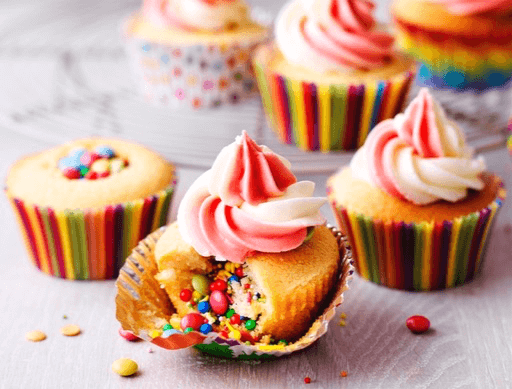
(418,256)
(89,244)
(143,307)
(327,117)
(192,76)
(509,136)
(450,64)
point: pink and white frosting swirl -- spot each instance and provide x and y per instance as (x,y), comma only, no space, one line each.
(248,201)
(332,35)
(419,156)
(194,15)
(474,7)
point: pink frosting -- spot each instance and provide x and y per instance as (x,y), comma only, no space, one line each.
(351,39)
(472,7)
(212,217)
(419,130)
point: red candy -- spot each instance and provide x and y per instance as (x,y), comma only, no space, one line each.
(235,319)
(239,272)
(418,324)
(104,174)
(128,335)
(193,320)
(186,295)
(91,175)
(218,302)
(218,285)
(71,173)
(307,380)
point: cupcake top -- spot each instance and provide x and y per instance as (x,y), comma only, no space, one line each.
(475,7)
(89,173)
(249,201)
(196,15)
(332,35)
(419,156)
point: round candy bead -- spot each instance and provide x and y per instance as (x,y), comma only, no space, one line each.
(218,302)
(83,171)
(230,313)
(233,279)
(125,367)
(205,328)
(418,324)
(186,295)
(250,324)
(218,285)
(239,272)
(200,283)
(91,175)
(128,335)
(203,306)
(196,296)
(104,151)
(100,166)
(235,319)
(71,173)
(193,320)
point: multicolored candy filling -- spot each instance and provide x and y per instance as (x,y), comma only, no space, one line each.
(225,301)
(100,162)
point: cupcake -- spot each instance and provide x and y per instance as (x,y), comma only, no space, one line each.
(83,206)
(193,53)
(465,51)
(417,207)
(331,74)
(249,267)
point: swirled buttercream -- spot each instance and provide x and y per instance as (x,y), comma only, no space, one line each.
(332,35)
(473,7)
(193,15)
(248,201)
(419,156)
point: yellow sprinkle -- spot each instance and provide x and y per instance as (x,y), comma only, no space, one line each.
(35,336)
(343,315)
(196,295)
(342,323)
(229,326)
(235,335)
(70,330)
(125,367)
(155,333)
(270,347)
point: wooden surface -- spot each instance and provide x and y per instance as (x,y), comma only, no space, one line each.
(470,345)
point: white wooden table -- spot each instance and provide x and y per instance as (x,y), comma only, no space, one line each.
(53,56)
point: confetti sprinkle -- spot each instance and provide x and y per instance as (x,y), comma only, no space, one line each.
(150,350)
(64,317)
(70,330)
(343,373)
(125,367)
(418,324)
(35,336)
(343,315)
(342,323)
(307,380)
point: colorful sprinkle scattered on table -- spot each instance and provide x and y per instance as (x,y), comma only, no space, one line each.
(307,380)
(125,367)
(35,336)
(418,324)
(70,330)
(343,374)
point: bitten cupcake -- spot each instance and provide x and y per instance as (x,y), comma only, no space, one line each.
(249,266)
(331,75)
(83,206)
(193,53)
(415,204)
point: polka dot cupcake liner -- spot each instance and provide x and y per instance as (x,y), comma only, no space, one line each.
(143,308)
(418,256)
(192,76)
(88,244)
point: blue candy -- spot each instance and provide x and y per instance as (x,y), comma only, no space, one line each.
(76,152)
(168,333)
(205,328)
(233,279)
(65,163)
(104,151)
(203,306)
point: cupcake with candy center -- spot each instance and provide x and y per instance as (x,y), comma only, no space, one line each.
(415,203)
(193,53)
(331,74)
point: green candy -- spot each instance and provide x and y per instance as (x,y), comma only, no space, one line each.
(250,325)
(201,284)
(167,327)
(188,329)
(230,313)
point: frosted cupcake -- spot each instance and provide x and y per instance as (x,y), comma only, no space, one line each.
(193,53)
(416,205)
(83,206)
(249,268)
(331,75)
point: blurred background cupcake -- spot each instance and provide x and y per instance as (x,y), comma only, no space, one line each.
(331,74)
(415,204)
(465,52)
(193,53)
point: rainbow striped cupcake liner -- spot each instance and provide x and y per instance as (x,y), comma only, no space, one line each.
(89,244)
(418,256)
(509,136)
(327,117)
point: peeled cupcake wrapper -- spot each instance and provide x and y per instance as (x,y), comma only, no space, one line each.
(89,244)
(326,117)
(143,307)
(419,256)
(192,76)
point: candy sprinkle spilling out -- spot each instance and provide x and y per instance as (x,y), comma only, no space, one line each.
(343,373)
(64,317)
(70,330)
(418,324)
(150,350)
(307,380)
(35,336)
(125,367)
